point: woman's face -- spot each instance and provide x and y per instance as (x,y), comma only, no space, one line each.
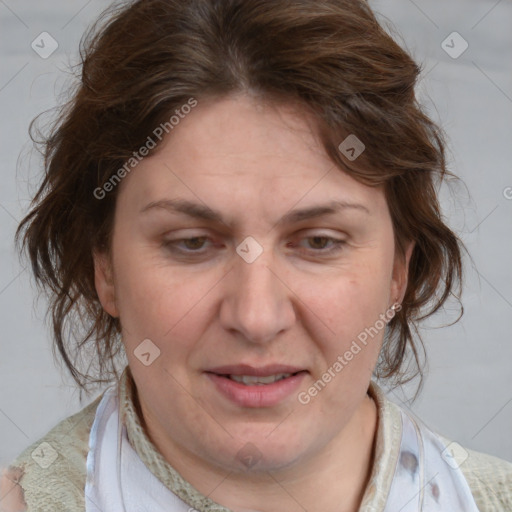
(226,263)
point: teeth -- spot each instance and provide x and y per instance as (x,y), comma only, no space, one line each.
(250,380)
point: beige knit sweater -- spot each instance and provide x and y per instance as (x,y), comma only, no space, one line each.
(60,486)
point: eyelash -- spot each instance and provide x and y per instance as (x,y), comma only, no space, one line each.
(337,245)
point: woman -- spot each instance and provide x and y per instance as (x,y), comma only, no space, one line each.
(241,196)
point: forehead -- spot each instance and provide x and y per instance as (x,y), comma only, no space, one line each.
(268,154)
(243,128)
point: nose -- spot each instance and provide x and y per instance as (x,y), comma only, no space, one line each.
(258,303)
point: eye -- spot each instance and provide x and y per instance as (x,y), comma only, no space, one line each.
(318,244)
(321,244)
(192,245)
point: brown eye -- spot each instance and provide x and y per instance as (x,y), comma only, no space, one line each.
(191,245)
(323,245)
(317,241)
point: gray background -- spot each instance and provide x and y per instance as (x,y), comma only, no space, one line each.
(468,391)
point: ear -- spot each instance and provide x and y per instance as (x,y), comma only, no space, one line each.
(104,282)
(401,273)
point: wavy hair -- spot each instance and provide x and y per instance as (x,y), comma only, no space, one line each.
(142,60)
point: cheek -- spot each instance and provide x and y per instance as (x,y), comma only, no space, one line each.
(159,302)
(351,299)
(346,311)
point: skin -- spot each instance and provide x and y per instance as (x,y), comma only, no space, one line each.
(295,304)
(11,493)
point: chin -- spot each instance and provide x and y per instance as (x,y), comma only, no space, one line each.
(264,450)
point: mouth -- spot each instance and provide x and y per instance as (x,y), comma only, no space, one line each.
(254,376)
(251,380)
(249,386)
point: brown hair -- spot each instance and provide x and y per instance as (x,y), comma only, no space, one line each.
(145,59)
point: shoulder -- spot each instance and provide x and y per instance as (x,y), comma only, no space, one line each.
(489,478)
(49,475)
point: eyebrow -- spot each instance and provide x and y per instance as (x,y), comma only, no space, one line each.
(203,212)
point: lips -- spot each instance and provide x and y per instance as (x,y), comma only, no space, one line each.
(250,386)
(262,371)
(252,380)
